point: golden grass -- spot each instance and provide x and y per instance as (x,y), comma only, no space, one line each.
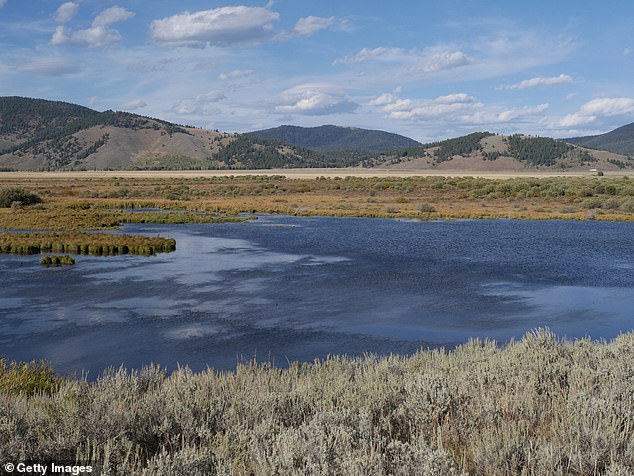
(76,203)
(83,243)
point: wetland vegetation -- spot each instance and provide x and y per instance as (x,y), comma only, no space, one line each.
(96,203)
(65,260)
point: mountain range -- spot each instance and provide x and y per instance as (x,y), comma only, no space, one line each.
(37,134)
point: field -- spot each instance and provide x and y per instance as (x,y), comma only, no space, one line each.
(77,201)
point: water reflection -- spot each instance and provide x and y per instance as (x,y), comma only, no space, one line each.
(300,288)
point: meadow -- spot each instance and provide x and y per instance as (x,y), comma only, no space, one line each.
(81,203)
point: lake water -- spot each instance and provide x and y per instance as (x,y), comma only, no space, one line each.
(288,288)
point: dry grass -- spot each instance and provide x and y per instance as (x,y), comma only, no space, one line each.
(77,203)
(535,407)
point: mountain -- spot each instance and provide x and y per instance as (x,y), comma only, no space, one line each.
(619,141)
(37,134)
(334,138)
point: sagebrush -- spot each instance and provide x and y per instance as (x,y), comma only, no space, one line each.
(539,406)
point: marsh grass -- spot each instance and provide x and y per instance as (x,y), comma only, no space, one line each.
(57,261)
(83,243)
(539,406)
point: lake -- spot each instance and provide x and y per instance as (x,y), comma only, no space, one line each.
(295,288)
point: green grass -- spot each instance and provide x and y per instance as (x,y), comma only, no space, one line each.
(539,406)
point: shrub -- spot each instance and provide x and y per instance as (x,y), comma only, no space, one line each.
(9,196)
(27,378)
(425,208)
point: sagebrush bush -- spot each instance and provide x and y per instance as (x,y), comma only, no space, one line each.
(11,196)
(535,407)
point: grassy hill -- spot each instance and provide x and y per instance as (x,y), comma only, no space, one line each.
(619,141)
(37,134)
(493,152)
(334,138)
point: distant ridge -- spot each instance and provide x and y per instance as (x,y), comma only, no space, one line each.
(331,138)
(619,141)
(38,134)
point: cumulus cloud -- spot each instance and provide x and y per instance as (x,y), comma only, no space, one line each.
(430,60)
(217,27)
(236,74)
(48,66)
(66,12)
(100,32)
(596,108)
(458,108)
(133,105)
(608,106)
(315,100)
(539,81)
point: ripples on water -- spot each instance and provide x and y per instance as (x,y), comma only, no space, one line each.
(299,288)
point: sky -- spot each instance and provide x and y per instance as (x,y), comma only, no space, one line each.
(425,69)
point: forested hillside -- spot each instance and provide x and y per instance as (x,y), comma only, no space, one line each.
(334,138)
(619,141)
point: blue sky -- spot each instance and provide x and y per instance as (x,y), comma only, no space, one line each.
(427,70)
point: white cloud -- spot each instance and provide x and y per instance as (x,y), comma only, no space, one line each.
(436,60)
(99,33)
(314,100)
(596,108)
(379,54)
(199,104)
(2,2)
(576,119)
(539,81)
(133,105)
(236,74)
(430,60)
(48,66)
(458,108)
(459,98)
(310,25)
(608,106)
(66,12)
(627,51)
(219,27)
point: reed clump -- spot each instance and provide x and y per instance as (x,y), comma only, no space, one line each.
(84,244)
(57,261)
(540,406)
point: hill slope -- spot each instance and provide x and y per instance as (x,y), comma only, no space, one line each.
(37,134)
(490,152)
(619,141)
(334,138)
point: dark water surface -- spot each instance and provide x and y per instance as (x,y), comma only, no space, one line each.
(300,288)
